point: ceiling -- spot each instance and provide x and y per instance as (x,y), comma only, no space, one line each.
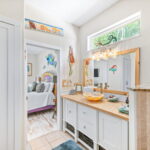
(76,12)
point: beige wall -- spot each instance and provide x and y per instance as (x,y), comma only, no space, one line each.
(13,9)
(70,38)
(33,60)
(116,13)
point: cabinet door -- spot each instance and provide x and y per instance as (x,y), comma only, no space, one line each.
(113,132)
(7,123)
(70,112)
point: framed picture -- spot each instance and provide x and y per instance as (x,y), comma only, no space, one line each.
(29,69)
(78,87)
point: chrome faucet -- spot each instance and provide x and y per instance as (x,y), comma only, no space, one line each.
(106,85)
(101,88)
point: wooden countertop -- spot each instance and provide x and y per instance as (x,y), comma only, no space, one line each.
(104,105)
(140,88)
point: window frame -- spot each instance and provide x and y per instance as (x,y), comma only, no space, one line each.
(117,25)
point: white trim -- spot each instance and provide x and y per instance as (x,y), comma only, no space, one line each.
(113,45)
(114,26)
(44,45)
(19,87)
(59,79)
(9,21)
(16,133)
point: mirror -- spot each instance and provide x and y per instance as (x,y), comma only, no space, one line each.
(115,74)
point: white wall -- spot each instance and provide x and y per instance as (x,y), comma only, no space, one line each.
(40,65)
(122,10)
(70,39)
(13,9)
(115,80)
(33,60)
(103,71)
(43,65)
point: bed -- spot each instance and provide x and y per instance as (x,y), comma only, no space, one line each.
(45,100)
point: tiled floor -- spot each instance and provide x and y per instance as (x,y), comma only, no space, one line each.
(49,141)
(40,124)
(42,132)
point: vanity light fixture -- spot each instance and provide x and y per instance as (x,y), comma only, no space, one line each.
(104,54)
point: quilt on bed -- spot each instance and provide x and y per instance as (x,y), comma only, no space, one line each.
(38,100)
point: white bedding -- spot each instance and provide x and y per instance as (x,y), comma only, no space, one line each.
(38,100)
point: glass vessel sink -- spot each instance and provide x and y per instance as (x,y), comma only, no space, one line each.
(93,96)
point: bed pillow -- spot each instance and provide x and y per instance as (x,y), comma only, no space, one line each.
(30,87)
(34,84)
(47,85)
(40,87)
(51,87)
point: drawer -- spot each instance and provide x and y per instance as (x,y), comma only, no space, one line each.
(87,129)
(70,112)
(87,114)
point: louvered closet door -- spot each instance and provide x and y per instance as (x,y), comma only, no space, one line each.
(7,38)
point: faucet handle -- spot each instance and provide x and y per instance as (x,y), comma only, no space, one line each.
(106,85)
(101,85)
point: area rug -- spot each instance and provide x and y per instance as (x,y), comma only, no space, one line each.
(69,145)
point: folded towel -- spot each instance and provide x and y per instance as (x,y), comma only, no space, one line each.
(124,109)
(113,99)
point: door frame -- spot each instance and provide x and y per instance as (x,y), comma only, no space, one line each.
(16,133)
(59,78)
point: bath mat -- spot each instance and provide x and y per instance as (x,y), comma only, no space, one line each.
(69,145)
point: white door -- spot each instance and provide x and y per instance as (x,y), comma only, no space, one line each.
(6,86)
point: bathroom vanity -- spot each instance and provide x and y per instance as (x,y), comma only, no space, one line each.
(96,125)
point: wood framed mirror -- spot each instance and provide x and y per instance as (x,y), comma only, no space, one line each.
(116,74)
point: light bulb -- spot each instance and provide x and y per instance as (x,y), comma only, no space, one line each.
(93,57)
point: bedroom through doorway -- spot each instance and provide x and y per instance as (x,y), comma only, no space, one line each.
(42,90)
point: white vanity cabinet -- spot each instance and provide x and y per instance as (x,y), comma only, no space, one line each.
(113,132)
(91,126)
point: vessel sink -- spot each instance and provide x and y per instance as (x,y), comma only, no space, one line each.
(93,97)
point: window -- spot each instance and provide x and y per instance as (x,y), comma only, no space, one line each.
(123,30)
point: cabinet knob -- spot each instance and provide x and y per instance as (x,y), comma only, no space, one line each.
(84,127)
(69,111)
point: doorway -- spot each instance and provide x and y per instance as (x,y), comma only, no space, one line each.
(42,83)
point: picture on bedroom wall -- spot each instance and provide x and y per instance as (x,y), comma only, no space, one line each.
(38,26)
(29,69)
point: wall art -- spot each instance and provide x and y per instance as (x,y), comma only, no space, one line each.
(71,60)
(51,60)
(113,69)
(38,26)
